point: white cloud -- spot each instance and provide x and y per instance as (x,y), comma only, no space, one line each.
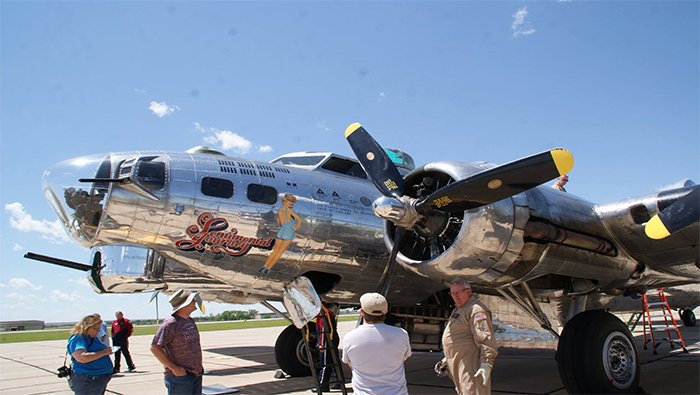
(520,26)
(81,281)
(22,221)
(322,125)
(229,140)
(381,96)
(17,247)
(20,296)
(162,109)
(140,91)
(58,295)
(199,127)
(23,283)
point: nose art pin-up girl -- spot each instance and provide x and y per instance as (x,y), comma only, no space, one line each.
(289,222)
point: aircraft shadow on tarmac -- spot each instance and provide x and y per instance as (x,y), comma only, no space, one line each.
(262,356)
(256,353)
(525,368)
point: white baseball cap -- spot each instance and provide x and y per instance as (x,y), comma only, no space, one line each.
(374,304)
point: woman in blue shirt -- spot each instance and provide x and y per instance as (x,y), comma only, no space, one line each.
(92,367)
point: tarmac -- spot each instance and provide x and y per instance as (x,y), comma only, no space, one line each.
(244,359)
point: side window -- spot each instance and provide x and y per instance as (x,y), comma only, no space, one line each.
(217,187)
(262,194)
(151,174)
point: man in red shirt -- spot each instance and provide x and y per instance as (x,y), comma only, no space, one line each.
(121,330)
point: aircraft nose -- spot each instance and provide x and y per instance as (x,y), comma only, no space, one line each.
(78,205)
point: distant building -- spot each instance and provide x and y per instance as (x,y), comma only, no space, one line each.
(27,325)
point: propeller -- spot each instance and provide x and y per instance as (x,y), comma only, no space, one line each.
(475,191)
(499,182)
(385,279)
(155,296)
(375,161)
(675,217)
(386,177)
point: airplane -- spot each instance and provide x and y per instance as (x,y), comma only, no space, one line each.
(239,231)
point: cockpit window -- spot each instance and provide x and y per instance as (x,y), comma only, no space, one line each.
(400,158)
(299,160)
(344,166)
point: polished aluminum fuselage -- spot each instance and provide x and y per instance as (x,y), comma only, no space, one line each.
(539,234)
(339,235)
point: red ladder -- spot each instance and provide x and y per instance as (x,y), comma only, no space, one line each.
(665,312)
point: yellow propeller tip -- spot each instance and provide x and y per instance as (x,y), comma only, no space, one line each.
(353,127)
(563,160)
(656,229)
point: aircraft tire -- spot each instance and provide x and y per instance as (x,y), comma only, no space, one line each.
(290,352)
(597,355)
(688,317)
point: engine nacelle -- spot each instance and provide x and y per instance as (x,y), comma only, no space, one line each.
(469,244)
(529,235)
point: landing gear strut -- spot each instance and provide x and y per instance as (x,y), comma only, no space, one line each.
(596,352)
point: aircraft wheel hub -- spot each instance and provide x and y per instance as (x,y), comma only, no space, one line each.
(619,360)
(302,356)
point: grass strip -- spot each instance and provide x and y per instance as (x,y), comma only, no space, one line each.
(204,326)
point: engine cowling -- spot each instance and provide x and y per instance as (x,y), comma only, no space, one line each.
(468,244)
(529,235)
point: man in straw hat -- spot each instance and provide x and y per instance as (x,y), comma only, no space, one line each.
(376,351)
(176,345)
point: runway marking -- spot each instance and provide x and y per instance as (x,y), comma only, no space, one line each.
(28,364)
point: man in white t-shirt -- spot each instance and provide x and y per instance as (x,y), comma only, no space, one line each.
(376,351)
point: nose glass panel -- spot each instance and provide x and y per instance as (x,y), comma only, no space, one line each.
(78,205)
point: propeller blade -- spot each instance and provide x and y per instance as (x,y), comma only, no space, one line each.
(385,280)
(375,161)
(155,295)
(499,182)
(675,217)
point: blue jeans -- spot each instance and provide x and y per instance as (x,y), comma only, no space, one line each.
(83,384)
(183,385)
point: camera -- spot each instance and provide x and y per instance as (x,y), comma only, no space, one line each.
(64,371)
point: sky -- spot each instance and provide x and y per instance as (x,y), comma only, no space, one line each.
(615,82)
